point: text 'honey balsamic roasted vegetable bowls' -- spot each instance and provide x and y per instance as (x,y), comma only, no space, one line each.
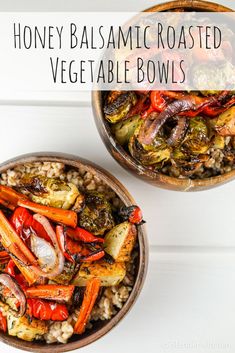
(69,256)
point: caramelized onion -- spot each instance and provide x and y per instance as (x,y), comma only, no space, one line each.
(178,132)
(149,131)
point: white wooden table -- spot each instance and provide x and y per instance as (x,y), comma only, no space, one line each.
(188,302)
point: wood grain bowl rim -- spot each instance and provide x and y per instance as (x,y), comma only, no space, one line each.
(123,157)
(110,180)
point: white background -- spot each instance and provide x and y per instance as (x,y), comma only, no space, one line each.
(188,302)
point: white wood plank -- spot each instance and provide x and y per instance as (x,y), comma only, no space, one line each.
(173,219)
(88,5)
(187,305)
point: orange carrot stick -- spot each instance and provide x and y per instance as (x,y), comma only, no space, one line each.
(10,195)
(55,292)
(7,204)
(66,217)
(30,275)
(13,243)
(4,257)
(91,293)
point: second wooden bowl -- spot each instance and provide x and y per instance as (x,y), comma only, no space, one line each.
(123,157)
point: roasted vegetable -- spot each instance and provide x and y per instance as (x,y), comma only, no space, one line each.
(11,285)
(67,217)
(10,196)
(126,128)
(224,124)
(59,293)
(75,251)
(68,273)
(50,191)
(120,240)
(46,310)
(4,257)
(109,274)
(96,217)
(90,296)
(156,152)
(118,104)
(26,328)
(24,224)
(197,138)
(3,323)
(132,214)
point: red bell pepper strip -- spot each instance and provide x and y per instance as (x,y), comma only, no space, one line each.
(13,243)
(83,235)
(66,217)
(11,269)
(23,221)
(51,292)
(91,293)
(46,310)
(136,216)
(3,323)
(158,103)
(61,238)
(95,256)
(71,248)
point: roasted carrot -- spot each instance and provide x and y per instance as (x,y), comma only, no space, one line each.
(7,204)
(4,257)
(10,195)
(13,243)
(90,295)
(66,217)
(55,292)
(28,273)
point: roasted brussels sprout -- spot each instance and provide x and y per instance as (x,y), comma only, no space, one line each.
(126,128)
(154,153)
(50,191)
(197,138)
(224,124)
(96,216)
(118,104)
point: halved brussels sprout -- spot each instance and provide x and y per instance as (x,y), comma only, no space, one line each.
(50,191)
(155,153)
(96,217)
(126,128)
(197,138)
(224,124)
(118,104)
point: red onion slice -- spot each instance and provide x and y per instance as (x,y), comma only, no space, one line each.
(15,289)
(60,257)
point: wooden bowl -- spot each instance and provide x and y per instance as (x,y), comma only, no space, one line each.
(99,328)
(123,157)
